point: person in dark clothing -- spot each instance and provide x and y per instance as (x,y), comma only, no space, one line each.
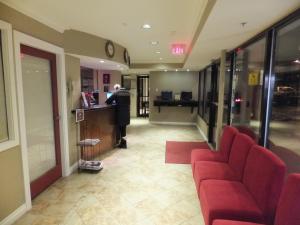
(121,98)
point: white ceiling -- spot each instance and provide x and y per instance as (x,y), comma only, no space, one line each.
(223,29)
(172,21)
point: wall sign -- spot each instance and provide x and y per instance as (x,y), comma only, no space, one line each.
(253,78)
(106,78)
(79,115)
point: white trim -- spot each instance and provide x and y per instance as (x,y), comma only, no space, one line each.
(201,132)
(174,123)
(9,80)
(14,216)
(73,168)
(21,38)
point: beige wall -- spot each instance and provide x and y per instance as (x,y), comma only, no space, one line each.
(133,94)
(175,82)
(73,101)
(30,26)
(12,183)
(80,43)
(115,78)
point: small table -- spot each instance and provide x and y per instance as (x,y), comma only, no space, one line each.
(176,103)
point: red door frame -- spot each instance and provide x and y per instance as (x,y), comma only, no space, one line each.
(44,181)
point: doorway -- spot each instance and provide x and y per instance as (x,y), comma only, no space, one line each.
(143,96)
(40,93)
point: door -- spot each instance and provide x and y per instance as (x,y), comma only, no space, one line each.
(143,96)
(41,117)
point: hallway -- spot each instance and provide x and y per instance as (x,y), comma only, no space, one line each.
(135,186)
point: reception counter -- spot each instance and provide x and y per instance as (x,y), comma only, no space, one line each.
(99,123)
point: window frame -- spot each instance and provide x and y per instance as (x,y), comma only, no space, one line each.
(10,89)
(209,67)
(201,93)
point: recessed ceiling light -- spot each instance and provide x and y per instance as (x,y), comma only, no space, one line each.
(146,26)
(176,70)
(154,42)
(160,58)
(101,61)
(157,52)
(166,70)
(188,70)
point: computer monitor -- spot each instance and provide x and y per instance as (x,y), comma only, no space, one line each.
(108,94)
(186,96)
(166,95)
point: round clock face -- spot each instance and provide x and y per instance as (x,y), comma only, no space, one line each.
(110,49)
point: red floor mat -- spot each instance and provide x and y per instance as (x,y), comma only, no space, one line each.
(180,151)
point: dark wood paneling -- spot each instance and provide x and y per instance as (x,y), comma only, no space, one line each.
(99,124)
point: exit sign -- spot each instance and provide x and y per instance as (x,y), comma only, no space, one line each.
(178,49)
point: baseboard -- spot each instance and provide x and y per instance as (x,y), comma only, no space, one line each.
(14,216)
(72,168)
(174,123)
(201,132)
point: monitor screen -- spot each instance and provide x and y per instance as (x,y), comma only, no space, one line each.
(108,94)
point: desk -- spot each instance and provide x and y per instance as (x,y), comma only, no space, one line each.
(174,103)
(99,122)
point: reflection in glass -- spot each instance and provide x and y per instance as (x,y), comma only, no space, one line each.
(247,85)
(226,92)
(3,112)
(284,135)
(207,94)
(201,92)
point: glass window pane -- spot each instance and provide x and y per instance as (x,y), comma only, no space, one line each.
(207,94)
(38,115)
(226,91)
(284,135)
(3,113)
(201,86)
(248,80)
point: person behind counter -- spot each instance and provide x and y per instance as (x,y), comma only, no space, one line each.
(121,98)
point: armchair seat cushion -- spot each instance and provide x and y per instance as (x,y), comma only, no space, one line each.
(205,155)
(230,200)
(232,222)
(207,170)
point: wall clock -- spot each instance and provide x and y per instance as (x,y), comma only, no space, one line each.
(126,57)
(110,49)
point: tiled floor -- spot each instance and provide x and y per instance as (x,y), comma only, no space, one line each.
(136,187)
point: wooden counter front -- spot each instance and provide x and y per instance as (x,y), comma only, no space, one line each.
(99,123)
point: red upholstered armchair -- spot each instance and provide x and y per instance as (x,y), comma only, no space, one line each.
(253,199)
(231,170)
(220,156)
(288,209)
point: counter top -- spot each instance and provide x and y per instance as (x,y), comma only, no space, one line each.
(96,107)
